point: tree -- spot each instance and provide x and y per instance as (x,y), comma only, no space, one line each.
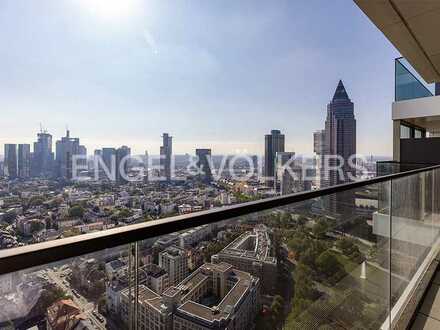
(36,201)
(49,295)
(313,251)
(301,220)
(350,249)
(36,226)
(300,305)
(304,286)
(320,229)
(346,245)
(10,217)
(277,309)
(329,265)
(124,213)
(102,304)
(76,211)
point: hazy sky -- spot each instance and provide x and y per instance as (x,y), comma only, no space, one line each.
(217,74)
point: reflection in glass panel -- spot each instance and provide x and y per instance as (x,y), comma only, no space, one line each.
(78,293)
(327,262)
(314,264)
(319,263)
(414,238)
(407,85)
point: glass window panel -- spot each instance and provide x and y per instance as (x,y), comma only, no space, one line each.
(405,132)
(407,85)
(414,238)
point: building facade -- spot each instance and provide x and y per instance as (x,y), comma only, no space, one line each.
(66,150)
(273,143)
(123,155)
(237,294)
(24,161)
(109,161)
(337,163)
(319,149)
(10,162)
(340,138)
(166,151)
(175,262)
(43,157)
(288,174)
(204,164)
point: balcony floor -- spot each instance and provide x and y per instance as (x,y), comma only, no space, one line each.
(428,317)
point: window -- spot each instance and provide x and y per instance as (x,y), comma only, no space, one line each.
(405,132)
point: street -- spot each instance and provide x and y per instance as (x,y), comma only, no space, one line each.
(86,306)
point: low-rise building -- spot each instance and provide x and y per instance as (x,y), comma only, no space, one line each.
(156,278)
(175,262)
(153,313)
(66,315)
(216,296)
(252,252)
(194,235)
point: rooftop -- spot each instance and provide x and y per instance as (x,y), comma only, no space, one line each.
(254,244)
(243,283)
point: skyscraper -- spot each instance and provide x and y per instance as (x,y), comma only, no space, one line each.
(24,161)
(318,149)
(288,174)
(146,160)
(340,136)
(10,162)
(339,146)
(274,142)
(109,160)
(166,151)
(122,164)
(204,164)
(66,149)
(43,157)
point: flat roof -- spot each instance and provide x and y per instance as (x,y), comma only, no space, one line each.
(243,282)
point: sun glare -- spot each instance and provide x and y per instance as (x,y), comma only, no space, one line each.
(111,9)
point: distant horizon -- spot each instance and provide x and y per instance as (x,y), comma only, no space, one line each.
(157,155)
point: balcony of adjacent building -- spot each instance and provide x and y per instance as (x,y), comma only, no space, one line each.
(416,117)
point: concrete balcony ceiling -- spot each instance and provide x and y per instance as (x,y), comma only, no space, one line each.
(413,27)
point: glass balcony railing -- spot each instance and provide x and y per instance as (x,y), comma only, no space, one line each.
(393,167)
(408,83)
(344,257)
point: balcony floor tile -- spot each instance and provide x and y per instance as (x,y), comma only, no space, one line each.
(423,322)
(436,279)
(431,303)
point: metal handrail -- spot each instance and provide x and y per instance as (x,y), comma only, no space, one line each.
(20,258)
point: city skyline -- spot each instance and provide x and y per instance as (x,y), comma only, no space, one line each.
(193,164)
(131,74)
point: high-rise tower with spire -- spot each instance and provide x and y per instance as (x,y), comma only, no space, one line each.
(339,144)
(340,137)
